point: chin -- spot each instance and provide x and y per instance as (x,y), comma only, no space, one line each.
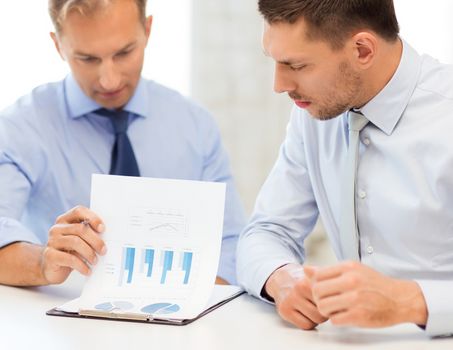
(115,102)
(111,104)
(319,115)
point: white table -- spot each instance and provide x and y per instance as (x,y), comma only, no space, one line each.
(245,323)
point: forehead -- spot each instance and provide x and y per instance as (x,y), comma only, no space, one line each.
(111,22)
(117,15)
(282,41)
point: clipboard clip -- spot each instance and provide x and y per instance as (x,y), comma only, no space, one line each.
(116,315)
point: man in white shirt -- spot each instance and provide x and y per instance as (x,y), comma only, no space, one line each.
(333,57)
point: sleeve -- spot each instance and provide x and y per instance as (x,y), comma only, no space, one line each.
(285,213)
(15,188)
(439,301)
(216,168)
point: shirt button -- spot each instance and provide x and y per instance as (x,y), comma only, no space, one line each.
(369,250)
(362,194)
(366,141)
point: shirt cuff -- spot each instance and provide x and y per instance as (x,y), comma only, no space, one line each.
(256,282)
(439,301)
(12,231)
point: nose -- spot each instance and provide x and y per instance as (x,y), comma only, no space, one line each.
(282,79)
(109,77)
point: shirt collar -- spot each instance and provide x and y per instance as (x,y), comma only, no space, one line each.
(80,104)
(387,107)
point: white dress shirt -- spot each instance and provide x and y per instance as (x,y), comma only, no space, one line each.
(404,191)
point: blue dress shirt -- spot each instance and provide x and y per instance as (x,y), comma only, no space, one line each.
(51,143)
(404,190)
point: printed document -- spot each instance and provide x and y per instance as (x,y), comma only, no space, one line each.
(163,239)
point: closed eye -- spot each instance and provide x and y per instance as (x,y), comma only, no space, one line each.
(123,53)
(88,59)
(297,68)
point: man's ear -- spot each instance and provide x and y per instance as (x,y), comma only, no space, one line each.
(365,48)
(148,26)
(56,42)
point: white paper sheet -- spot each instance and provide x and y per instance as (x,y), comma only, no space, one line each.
(163,239)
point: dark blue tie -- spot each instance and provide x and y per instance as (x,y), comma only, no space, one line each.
(123,157)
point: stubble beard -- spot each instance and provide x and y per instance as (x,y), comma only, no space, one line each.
(342,96)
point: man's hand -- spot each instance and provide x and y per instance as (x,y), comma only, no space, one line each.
(220,280)
(293,297)
(73,244)
(353,294)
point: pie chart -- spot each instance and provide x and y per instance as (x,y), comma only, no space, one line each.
(160,308)
(114,305)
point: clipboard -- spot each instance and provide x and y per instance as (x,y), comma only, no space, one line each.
(135,317)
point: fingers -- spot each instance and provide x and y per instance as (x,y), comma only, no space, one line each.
(74,244)
(330,288)
(334,271)
(55,260)
(75,237)
(304,302)
(291,290)
(353,294)
(310,311)
(333,305)
(293,312)
(299,320)
(337,280)
(346,318)
(81,214)
(302,313)
(297,307)
(309,271)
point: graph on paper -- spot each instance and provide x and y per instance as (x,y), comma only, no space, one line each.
(163,239)
(154,308)
(165,222)
(152,266)
(160,308)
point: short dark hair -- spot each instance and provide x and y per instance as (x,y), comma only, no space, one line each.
(334,20)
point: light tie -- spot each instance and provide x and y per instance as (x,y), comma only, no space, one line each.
(349,235)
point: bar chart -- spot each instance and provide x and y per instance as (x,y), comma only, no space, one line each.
(155,266)
(167,265)
(147,261)
(127,264)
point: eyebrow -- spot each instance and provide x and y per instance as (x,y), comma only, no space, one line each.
(286,62)
(289,62)
(125,48)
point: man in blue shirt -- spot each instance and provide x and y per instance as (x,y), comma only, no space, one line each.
(53,139)
(362,96)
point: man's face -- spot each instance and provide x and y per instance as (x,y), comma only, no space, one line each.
(105,51)
(317,78)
